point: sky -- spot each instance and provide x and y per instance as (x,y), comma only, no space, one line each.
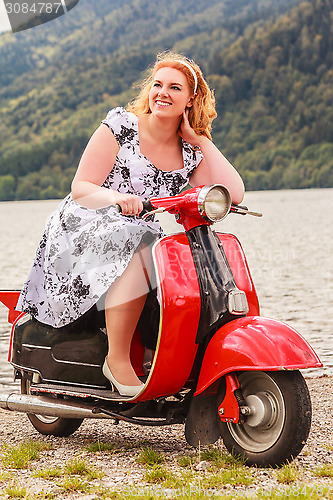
(4,21)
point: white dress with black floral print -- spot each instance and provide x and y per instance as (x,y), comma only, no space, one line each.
(83,251)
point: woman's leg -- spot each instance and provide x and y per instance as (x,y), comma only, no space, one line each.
(123,305)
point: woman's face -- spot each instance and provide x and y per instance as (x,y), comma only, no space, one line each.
(170,93)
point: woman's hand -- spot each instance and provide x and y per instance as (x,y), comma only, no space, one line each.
(214,168)
(186,132)
(130,203)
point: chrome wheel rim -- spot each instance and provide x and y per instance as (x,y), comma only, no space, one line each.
(265,423)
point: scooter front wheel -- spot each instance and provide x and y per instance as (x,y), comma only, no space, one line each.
(280,419)
(47,425)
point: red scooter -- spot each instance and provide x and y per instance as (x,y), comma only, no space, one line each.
(216,364)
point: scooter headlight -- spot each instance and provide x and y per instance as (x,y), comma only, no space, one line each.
(214,202)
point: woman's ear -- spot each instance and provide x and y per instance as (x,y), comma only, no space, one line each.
(190,103)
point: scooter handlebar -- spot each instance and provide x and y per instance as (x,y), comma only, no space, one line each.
(236,209)
(147,207)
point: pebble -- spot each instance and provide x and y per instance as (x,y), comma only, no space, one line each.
(203,465)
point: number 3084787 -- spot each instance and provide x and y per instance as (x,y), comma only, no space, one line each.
(35,7)
(296,490)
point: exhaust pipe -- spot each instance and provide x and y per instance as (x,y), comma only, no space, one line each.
(45,406)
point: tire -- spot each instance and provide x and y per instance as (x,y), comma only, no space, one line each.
(47,425)
(280,424)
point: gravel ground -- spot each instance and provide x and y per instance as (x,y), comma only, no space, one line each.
(122,472)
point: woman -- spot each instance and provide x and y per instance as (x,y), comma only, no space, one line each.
(91,254)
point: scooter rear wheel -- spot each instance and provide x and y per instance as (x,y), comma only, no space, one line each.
(280,422)
(47,425)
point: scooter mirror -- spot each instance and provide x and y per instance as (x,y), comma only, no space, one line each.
(21,15)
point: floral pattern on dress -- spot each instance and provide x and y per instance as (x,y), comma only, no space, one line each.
(83,251)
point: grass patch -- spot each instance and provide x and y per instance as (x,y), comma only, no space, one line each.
(219,458)
(287,473)
(103,493)
(5,476)
(99,446)
(187,460)
(78,467)
(49,473)
(236,475)
(157,474)
(74,483)
(150,457)
(15,492)
(19,456)
(73,468)
(325,470)
(44,495)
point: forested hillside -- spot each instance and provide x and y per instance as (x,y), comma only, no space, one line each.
(275,93)
(269,62)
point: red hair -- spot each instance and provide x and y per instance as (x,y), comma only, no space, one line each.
(202,111)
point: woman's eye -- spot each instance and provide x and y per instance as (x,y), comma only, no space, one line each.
(174,87)
(157,84)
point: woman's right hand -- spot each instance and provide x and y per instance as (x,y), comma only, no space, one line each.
(130,203)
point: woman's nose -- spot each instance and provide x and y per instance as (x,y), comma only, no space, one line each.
(163,91)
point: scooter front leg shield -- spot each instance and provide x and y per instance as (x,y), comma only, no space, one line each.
(254,343)
(180,305)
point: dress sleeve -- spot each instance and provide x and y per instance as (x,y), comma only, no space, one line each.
(123,125)
(115,119)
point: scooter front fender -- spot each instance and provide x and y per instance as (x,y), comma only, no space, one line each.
(254,343)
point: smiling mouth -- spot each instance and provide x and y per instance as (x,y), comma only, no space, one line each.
(163,103)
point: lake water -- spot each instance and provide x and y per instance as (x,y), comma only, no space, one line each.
(289,251)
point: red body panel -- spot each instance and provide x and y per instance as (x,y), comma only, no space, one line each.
(254,343)
(9,298)
(180,312)
(185,205)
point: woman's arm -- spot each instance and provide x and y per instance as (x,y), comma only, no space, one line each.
(214,168)
(95,165)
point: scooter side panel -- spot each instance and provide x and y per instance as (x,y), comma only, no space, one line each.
(240,270)
(180,311)
(70,355)
(254,343)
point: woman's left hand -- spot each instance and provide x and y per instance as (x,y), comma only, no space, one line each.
(186,132)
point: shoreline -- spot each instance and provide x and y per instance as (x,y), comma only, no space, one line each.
(120,468)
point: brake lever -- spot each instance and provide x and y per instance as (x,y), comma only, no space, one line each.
(243,210)
(159,210)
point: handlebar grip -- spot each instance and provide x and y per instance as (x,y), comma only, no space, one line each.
(147,207)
